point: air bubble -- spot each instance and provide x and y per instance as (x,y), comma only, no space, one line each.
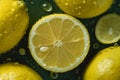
(22,51)
(95,45)
(47,7)
(54,75)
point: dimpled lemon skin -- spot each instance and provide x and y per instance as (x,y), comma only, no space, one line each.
(14,21)
(105,65)
(16,71)
(84,8)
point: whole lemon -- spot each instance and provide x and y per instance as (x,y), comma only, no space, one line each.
(84,8)
(16,71)
(14,21)
(104,66)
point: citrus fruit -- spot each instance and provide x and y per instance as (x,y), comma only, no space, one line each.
(59,42)
(108,29)
(84,8)
(105,65)
(13,23)
(16,71)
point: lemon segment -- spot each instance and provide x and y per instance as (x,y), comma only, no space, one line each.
(59,42)
(108,29)
(104,66)
(14,21)
(16,71)
(84,8)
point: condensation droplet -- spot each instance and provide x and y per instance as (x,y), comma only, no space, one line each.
(84,1)
(79,78)
(32,2)
(22,51)
(95,45)
(1,34)
(16,63)
(66,4)
(94,2)
(12,10)
(8,59)
(43,49)
(119,5)
(47,7)
(53,75)
(116,44)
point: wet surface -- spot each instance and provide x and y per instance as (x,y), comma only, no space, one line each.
(40,8)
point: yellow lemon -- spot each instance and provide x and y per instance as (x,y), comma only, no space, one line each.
(107,30)
(105,65)
(84,8)
(16,71)
(14,21)
(59,42)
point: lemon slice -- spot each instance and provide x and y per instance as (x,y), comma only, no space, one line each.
(16,71)
(108,29)
(104,66)
(14,21)
(59,42)
(84,8)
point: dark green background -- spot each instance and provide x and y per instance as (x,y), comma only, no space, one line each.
(35,13)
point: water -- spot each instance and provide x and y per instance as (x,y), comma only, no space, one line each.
(54,75)
(22,51)
(46,7)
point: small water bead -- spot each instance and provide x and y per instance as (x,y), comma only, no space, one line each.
(66,4)
(47,7)
(16,63)
(116,44)
(22,51)
(94,2)
(53,75)
(95,45)
(8,59)
(31,2)
(43,49)
(84,1)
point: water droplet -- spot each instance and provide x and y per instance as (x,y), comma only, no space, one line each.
(22,51)
(16,15)
(5,32)
(95,45)
(79,78)
(43,49)
(1,34)
(12,10)
(47,7)
(116,44)
(79,7)
(8,59)
(66,4)
(16,63)
(94,2)
(32,2)
(84,1)
(54,75)
(119,5)
(79,13)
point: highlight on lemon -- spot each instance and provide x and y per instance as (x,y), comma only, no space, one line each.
(84,8)
(16,71)
(59,42)
(108,29)
(105,65)
(14,21)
